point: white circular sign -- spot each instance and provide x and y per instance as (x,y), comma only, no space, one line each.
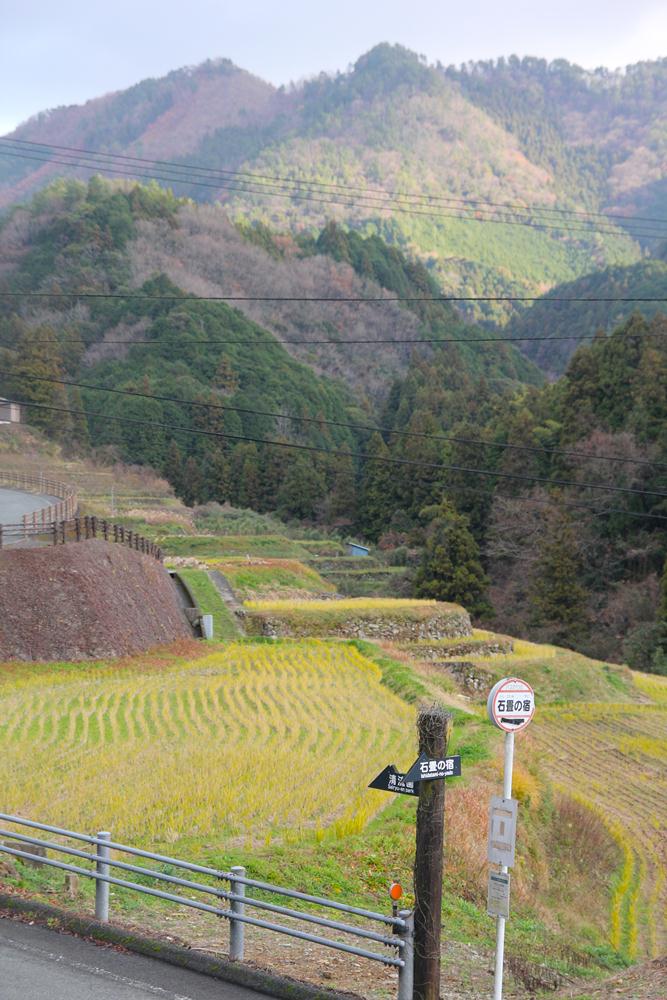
(511,704)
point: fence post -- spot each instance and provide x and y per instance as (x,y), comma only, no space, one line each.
(407,953)
(236,927)
(102,888)
(55,532)
(105,530)
(93,523)
(115,532)
(77,528)
(63,528)
(86,525)
(0,536)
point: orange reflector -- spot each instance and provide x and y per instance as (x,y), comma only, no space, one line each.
(395,891)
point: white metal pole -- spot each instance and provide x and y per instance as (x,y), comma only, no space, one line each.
(500,921)
(102,888)
(236,927)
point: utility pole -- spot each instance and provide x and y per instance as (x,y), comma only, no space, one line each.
(434,727)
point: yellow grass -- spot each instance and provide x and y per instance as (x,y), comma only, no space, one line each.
(652,685)
(611,757)
(253,741)
(347,604)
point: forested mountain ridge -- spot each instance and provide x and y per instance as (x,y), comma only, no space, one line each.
(516,131)
(574,564)
(550,317)
(160,327)
(167,266)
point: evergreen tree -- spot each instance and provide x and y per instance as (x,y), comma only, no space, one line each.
(450,569)
(557,598)
(216,476)
(302,489)
(662,611)
(78,422)
(192,490)
(376,494)
(173,467)
(38,355)
(341,501)
(245,483)
(225,379)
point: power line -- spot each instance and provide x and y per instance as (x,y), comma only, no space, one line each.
(142,296)
(577,504)
(275,342)
(436,466)
(533,449)
(368,192)
(97,165)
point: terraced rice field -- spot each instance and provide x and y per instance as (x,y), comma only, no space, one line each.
(252,742)
(612,757)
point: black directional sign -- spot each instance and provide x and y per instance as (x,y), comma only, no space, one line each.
(390,780)
(426,769)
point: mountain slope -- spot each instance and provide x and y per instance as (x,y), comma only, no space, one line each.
(391,124)
(550,318)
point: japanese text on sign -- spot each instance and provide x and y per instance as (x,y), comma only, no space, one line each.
(511,704)
(424,769)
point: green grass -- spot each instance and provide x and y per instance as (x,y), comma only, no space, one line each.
(271,546)
(358,870)
(561,675)
(272,576)
(398,677)
(325,547)
(391,617)
(210,602)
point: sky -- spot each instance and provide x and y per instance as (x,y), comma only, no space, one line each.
(67,52)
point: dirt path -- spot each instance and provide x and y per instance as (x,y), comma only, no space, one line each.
(642,982)
(224,588)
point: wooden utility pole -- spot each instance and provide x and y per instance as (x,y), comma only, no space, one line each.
(434,726)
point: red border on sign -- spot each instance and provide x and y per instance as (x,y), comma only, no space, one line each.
(506,689)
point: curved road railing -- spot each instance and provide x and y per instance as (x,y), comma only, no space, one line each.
(63,510)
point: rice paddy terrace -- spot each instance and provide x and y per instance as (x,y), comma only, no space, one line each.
(599,736)
(251,741)
(613,758)
(202,744)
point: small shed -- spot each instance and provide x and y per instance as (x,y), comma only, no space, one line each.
(354,549)
(10,413)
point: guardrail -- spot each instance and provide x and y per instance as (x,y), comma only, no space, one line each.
(61,511)
(78,529)
(398,940)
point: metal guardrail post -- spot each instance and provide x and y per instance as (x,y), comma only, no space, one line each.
(236,928)
(102,888)
(406,971)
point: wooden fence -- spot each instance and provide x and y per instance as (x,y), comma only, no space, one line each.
(77,529)
(63,510)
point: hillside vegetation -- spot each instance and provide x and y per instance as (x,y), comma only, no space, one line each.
(518,132)
(549,318)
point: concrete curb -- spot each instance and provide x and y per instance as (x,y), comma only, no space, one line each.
(217,968)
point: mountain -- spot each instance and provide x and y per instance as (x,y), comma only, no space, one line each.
(522,132)
(551,318)
(119,285)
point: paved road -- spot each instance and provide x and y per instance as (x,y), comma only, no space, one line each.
(36,963)
(15,503)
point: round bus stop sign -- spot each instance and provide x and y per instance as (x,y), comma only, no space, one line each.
(511,704)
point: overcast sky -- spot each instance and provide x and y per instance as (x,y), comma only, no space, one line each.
(55,52)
